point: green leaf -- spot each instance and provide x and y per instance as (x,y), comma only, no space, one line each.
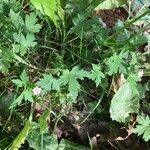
(71,79)
(6,56)
(73,87)
(35,139)
(56,85)
(18,48)
(25,42)
(21,137)
(25,95)
(69,145)
(18,82)
(125,101)
(142,89)
(96,74)
(17,101)
(139,40)
(30,40)
(51,8)
(46,82)
(77,73)
(116,64)
(110,4)
(43,121)
(31,23)
(143,127)
(4,67)
(16,19)
(24,77)
(64,78)
(28,95)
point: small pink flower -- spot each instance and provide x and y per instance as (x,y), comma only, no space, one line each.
(36,91)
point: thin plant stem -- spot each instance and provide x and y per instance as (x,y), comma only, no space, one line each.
(102,95)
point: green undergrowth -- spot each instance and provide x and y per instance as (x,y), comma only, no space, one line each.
(57,54)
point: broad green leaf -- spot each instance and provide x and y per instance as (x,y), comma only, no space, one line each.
(43,121)
(35,139)
(51,8)
(125,101)
(65,145)
(110,4)
(133,79)
(53,142)
(21,137)
(69,145)
(96,74)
